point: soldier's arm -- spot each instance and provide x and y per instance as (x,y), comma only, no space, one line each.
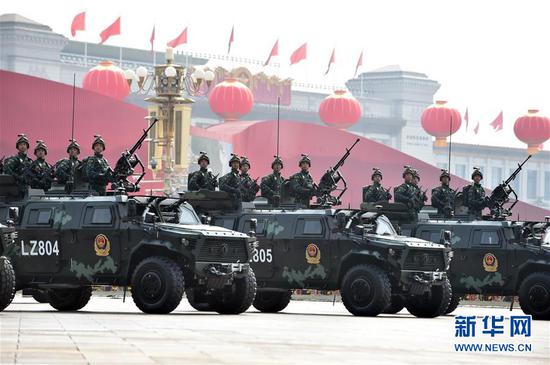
(436,201)
(266,192)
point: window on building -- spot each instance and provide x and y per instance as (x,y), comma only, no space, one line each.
(496,176)
(460,170)
(547,185)
(532,176)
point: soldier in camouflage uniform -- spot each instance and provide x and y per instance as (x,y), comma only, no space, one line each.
(272,184)
(443,197)
(65,169)
(39,174)
(17,165)
(302,187)
(249,187)
(203,178)
(406,193)
(376,193)
(97,167)
(474,194)
(420,196)
(231,182)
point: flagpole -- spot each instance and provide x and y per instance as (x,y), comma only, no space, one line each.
(85,54)
(120,56)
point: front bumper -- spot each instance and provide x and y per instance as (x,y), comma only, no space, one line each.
(215,275)
(417,282)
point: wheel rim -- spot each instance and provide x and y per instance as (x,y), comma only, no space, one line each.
(152,286)
(361,291)
(539,297)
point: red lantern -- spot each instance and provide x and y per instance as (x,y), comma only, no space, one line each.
(441,121)
(231,99)
(533,129)
(107,79)
(340,110)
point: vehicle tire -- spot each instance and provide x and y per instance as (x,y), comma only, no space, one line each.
(455,301)
(432,305)
(7,283)
(237,298)
(157,285)
(41,296)
(534,295)
(366,290)
(68,300)
(198,300)
(397,304)
(272,301)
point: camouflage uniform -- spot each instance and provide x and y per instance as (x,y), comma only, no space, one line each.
(443,197)
(231,182)
(375,193)
(420,196)
(39,174)
(406,193)
(474,195)
(249,187)
(272,184)
(302,187)
(203,178)
(97,169)
(17,164)
(65,169)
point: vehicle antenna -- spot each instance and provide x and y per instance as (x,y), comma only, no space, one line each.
(450,143)
(72,122)
(278,121)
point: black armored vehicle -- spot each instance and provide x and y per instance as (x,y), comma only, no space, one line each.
(7,275)
(375,269)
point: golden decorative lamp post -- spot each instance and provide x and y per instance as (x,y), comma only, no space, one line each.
(170,139)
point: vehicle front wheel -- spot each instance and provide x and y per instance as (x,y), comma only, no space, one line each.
(198,299)
(237,298)
(366,290)
(432,304)
(157,285)
(397,304)
(534,295)
(455,301)
(7,283)
(272,301)
(68,300)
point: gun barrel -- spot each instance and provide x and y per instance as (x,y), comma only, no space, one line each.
(137,145)
(516,172)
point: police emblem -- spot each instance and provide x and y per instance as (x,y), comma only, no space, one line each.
(313,254)
(490,262)
(102,245)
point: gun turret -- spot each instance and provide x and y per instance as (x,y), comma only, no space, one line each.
(501,195)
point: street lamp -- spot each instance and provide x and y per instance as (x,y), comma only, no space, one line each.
(169,82)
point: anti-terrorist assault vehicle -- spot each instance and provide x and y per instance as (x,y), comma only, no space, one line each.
(69,242)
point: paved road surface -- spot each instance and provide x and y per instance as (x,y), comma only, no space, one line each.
(108,331)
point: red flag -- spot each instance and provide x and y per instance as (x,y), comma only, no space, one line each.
(274,52)
(111,30)
(79,23)
(476,129)
(498,123)
(231,39)
(299,54)
(331,61)
(181,39)
(359,63)
(152,40)
(466,118)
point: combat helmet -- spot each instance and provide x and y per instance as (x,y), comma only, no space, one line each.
(408,170)
(277,160)
(98,140)
(478,172)
(203,156)
(416,174)
(234,158)
(22,139)
(73,144)
(376,171)
(305,158)
(40,145)
(444,173)
(245,161)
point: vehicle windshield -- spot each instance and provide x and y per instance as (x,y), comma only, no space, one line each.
(188,216)
(384,227)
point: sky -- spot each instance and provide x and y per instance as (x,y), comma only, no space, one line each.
(487,55)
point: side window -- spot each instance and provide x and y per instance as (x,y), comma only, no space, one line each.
(225,223)
(40,217)
(260,225)
(309,227)
(486,237)
(432,236)
(98,215)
